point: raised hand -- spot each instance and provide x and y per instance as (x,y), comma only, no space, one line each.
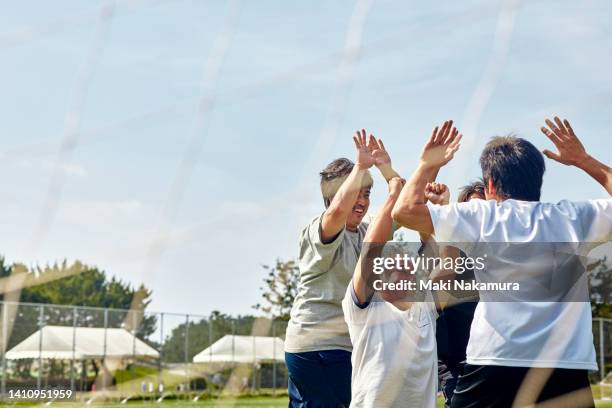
(365,159)
(381,156)
(570,150)
(441,146)
(437,193)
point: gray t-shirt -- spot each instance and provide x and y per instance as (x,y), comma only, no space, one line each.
(317,321)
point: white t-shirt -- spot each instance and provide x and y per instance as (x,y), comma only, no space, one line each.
(528,333)
(394,353)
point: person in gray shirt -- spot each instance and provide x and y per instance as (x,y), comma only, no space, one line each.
(317,343)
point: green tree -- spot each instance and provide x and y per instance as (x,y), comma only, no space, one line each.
(74,284)
(600,282)
(280,290)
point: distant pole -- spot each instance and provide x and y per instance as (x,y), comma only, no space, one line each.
(133,348)
(274,358)
(602,367)
(4,347)
(161,348)
(187,351)
(104,350)
(254,366)
(233,340)
(74,322)
(41,316)
(210,337)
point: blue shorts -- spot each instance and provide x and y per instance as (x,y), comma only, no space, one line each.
(319,379)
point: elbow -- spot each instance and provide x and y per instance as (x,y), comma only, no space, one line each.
(402,213)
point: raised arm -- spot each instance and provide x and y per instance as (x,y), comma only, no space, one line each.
(378,232)
(382,160)
(335,216)
(410,210)
(437,193)
(571,152)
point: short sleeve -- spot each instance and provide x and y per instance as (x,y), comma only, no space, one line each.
(594,220)
(354,312)
(313,250)
(458,222)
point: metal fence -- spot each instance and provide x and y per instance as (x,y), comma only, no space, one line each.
(175,338)
(42,349)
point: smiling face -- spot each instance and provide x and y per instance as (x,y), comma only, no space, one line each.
(359,209)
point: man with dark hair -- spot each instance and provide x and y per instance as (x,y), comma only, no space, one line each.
(317,343)
(527,352)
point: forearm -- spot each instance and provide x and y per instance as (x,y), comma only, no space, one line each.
(442,297)
(410,206)
(387,171)
(336,215)
(599,171)
(381,227)
(378,233)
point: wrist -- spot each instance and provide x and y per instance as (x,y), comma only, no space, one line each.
(361,166)
(584,162)
(384,166)
(429,166)
(387,171)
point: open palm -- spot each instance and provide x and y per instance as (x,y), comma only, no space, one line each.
(365,158)
(381,156)
(441,146)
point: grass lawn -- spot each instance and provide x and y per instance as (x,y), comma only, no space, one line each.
(245,402)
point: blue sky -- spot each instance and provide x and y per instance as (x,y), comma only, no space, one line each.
(495,67)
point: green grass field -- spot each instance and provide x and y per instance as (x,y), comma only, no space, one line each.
(256,402)
(247,402)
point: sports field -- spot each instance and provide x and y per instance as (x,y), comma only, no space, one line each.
(254,402)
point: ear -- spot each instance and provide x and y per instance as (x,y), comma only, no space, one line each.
(490,190)
(491,187)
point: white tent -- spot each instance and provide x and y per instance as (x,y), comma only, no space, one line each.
(243,349)
(89,343)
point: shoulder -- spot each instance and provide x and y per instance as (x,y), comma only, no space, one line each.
(468,206)
(311,231)
(569,208)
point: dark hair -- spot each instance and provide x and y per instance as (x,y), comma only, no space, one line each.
(475,187)
(338,168)
(515,167)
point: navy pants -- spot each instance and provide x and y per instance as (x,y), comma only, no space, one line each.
(319,379)
(497,386)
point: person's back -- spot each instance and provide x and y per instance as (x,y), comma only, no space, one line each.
(528,331)
(523,349)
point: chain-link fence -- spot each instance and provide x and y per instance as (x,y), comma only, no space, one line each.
(126,354)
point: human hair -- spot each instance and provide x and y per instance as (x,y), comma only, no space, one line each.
(334,174)
(514,166)
(475,187)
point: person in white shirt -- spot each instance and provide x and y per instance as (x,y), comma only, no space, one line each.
(519,353)
(317,343)
(394,343)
